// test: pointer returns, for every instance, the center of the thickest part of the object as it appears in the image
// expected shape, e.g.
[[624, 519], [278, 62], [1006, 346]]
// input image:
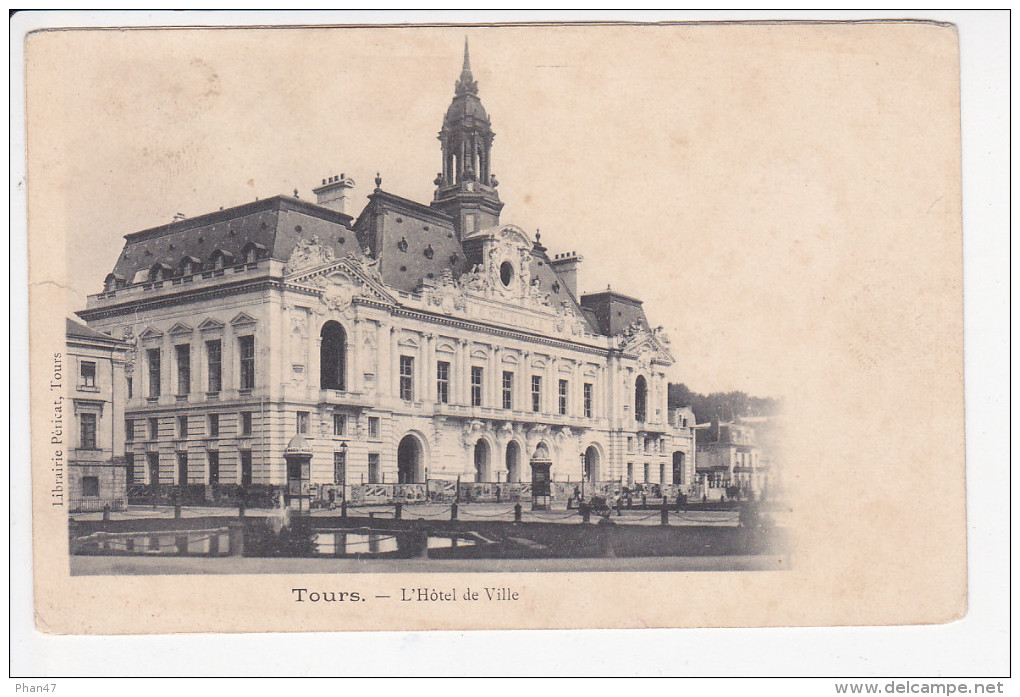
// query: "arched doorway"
[[333, 357], [410, 463], [483, 470], [513, 461], [592, 465], [640, 398], [678, 467]]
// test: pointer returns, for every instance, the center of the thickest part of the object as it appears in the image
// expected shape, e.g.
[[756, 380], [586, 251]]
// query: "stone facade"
[[414, 343], [97, 469]]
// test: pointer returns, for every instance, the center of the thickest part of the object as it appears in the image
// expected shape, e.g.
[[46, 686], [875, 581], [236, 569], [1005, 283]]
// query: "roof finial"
[[378, 181], [466, 84]]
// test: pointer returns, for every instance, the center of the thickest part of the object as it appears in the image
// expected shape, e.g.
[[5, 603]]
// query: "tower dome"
[[466, 188]]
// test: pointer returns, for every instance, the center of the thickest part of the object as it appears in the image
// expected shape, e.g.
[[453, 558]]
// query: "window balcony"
[[343, 398]]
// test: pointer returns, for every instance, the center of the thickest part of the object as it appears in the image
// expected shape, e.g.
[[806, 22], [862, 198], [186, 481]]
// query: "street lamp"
[[343, 470], [584, 475]]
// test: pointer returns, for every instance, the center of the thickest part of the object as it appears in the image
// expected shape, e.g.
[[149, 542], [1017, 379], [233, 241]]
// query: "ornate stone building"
[[414, 342]]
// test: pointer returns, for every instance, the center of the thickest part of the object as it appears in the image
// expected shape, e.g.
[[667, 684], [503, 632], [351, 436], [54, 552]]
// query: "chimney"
[[333, 193], [565, 265]]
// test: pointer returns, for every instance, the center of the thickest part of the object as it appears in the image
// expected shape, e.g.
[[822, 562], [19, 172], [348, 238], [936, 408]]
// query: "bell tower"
[[466, 188]]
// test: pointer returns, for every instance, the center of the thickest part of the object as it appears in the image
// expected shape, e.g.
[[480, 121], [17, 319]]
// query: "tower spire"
[[466, 84], [466, 188]]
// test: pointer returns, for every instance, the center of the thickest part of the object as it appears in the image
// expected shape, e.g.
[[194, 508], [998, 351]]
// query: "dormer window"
[[219, 259], [252, 252], [189, 265], [158, 272], [113, 282]]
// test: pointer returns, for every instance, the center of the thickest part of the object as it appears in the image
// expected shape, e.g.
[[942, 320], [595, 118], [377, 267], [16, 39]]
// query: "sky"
[[713, 172]]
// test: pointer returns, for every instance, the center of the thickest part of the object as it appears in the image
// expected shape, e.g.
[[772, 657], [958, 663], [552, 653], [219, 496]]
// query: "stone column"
[[523, 385], [354, 359], [394, 359], [496, 381], [429, 388]]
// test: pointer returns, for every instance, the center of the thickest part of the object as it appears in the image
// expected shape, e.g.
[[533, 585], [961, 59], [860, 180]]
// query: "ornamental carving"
[[338, 294], [308, 253]]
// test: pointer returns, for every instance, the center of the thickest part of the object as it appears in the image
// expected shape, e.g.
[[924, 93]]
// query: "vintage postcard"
[[458, 327]]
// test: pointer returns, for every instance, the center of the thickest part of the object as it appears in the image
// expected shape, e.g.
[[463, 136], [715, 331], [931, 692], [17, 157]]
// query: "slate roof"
[[275, 225], [78, 330], [414, 243], [614, 311]]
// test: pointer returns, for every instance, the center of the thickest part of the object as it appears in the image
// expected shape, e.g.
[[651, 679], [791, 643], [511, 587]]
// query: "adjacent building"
[[93, 428], [412, 343], [730, 460]]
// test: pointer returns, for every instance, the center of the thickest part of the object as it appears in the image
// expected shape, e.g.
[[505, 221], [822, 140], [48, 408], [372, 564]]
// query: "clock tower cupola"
[[466, 188]]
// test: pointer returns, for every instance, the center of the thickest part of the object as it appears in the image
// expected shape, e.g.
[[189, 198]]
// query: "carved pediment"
[[150, 334], [242, 318], [180, 329], [341, 281], [210, 325], [646, 347]]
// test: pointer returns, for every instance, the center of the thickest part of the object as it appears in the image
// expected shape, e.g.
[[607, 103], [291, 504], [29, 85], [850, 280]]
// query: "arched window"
[[333, 357], [640, 398]]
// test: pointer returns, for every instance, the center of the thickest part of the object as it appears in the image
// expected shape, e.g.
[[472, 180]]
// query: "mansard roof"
[[271, 226], [414, 242]]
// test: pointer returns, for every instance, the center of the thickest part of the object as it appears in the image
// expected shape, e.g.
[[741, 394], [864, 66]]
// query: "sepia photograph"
[[352, 374], [495, 326]]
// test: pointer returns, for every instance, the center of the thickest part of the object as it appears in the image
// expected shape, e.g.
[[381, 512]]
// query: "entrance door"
[[678, 467]]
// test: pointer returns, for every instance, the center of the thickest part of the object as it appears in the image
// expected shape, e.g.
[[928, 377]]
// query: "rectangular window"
[[443, 382], [88, 431], [154, 429], [214, 359], [245, 423], [407, 378], [183, 352], [182, 468], [90, 486], [246, 351], [153, 461], [88, 374], [214, 466], [214, 425], [302, 422], [129, 430], [630, 474], [662, 473], [588, 391], [476, 385], [508, 390], [129, 462], [630, 444], [182, 426], [130, 385], [245, 468], [536, 393], [647, 467], [339, 424], [154, 360], [339, 468], [373, 427], [374, 474], [564, 390]]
